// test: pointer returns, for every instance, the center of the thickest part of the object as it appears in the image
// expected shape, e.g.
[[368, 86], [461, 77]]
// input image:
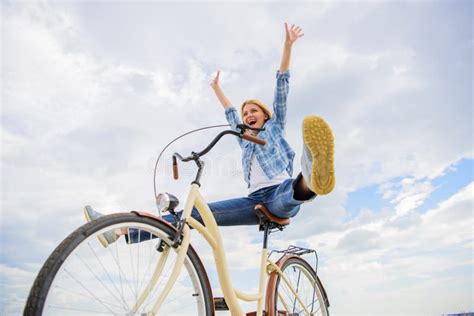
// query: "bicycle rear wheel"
[[81, 277], [300, 276]]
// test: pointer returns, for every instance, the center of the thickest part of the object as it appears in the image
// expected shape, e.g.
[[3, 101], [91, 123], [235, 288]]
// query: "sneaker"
[[106, 238], [317, 161]]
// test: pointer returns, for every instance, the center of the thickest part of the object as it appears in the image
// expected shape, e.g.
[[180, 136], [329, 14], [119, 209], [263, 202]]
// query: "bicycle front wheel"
[[297, 291], [82, 277]]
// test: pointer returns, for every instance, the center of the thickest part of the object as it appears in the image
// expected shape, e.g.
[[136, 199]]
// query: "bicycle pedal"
[[220, 304], [255, 313]]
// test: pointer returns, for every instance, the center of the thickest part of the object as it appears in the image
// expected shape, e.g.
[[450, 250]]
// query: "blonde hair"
[[259, 103]]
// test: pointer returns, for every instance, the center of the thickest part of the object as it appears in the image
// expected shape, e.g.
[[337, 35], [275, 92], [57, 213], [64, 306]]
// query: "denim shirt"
[[276, 155]]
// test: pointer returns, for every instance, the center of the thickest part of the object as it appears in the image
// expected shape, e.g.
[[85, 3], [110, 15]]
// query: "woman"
[[268, 169]]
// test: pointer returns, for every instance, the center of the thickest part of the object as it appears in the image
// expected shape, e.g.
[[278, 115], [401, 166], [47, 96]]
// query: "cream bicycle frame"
[[211, 234]]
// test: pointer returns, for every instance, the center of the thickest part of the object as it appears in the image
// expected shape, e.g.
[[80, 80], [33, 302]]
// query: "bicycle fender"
[[153, 216]]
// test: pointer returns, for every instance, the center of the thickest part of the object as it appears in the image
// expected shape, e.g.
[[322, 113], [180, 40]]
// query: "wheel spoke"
[[307, 298], [88, 291], [122, 300], [97, 278]]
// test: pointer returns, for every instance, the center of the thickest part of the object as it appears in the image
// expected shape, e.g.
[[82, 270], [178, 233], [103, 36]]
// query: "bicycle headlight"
[[162, 202], [166, 202]]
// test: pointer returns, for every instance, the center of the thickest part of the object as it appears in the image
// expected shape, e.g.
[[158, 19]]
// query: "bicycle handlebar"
[[195, 156], [253, 139]]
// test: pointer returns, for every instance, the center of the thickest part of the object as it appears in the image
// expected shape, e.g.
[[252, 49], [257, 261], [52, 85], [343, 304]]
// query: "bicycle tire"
[[281, 300], [55, 284]]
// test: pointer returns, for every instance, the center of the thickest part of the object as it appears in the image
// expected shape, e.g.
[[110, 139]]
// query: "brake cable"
[[169, 144]]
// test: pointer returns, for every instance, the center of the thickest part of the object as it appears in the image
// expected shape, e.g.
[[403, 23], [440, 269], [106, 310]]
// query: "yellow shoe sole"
[[318, 138]]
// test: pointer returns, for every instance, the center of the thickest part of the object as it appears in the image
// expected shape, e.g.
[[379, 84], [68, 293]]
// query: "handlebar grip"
[[175, 169], [254, 139]]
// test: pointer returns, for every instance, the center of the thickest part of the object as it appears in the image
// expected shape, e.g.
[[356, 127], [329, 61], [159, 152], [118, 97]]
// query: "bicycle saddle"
[[267, 218]]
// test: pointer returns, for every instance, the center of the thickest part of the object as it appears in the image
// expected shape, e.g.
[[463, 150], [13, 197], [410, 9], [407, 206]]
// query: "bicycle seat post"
[[266, 232], [268, 222]]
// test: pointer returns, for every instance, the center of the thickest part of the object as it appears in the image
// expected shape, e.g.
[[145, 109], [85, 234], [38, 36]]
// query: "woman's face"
[[253, 115]]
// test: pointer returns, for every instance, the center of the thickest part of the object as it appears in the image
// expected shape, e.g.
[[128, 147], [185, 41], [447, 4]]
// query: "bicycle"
[[147, 277]]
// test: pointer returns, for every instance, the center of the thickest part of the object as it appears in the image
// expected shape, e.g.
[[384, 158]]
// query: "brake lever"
[[244, 127]]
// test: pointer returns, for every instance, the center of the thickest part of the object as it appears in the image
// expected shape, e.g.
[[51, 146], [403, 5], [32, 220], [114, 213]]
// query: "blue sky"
[[92, 90], [455, 177]]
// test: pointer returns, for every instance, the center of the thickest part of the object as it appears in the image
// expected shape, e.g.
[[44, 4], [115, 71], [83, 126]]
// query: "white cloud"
[[411, 195], [15, 285]]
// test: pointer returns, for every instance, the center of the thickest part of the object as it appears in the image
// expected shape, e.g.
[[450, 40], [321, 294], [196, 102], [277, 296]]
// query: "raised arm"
[[219, 93], [282, 85], [292, 34], [230, 112]]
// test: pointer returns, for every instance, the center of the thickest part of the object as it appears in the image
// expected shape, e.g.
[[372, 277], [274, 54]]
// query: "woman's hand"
[[292, 34], [218, 91], [215, 81]]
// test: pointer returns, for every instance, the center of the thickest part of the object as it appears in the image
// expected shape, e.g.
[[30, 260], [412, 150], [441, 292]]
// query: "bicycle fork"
[[181, 255]]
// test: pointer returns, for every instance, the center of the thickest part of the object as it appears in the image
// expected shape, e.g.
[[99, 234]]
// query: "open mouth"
[[251, 122]]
